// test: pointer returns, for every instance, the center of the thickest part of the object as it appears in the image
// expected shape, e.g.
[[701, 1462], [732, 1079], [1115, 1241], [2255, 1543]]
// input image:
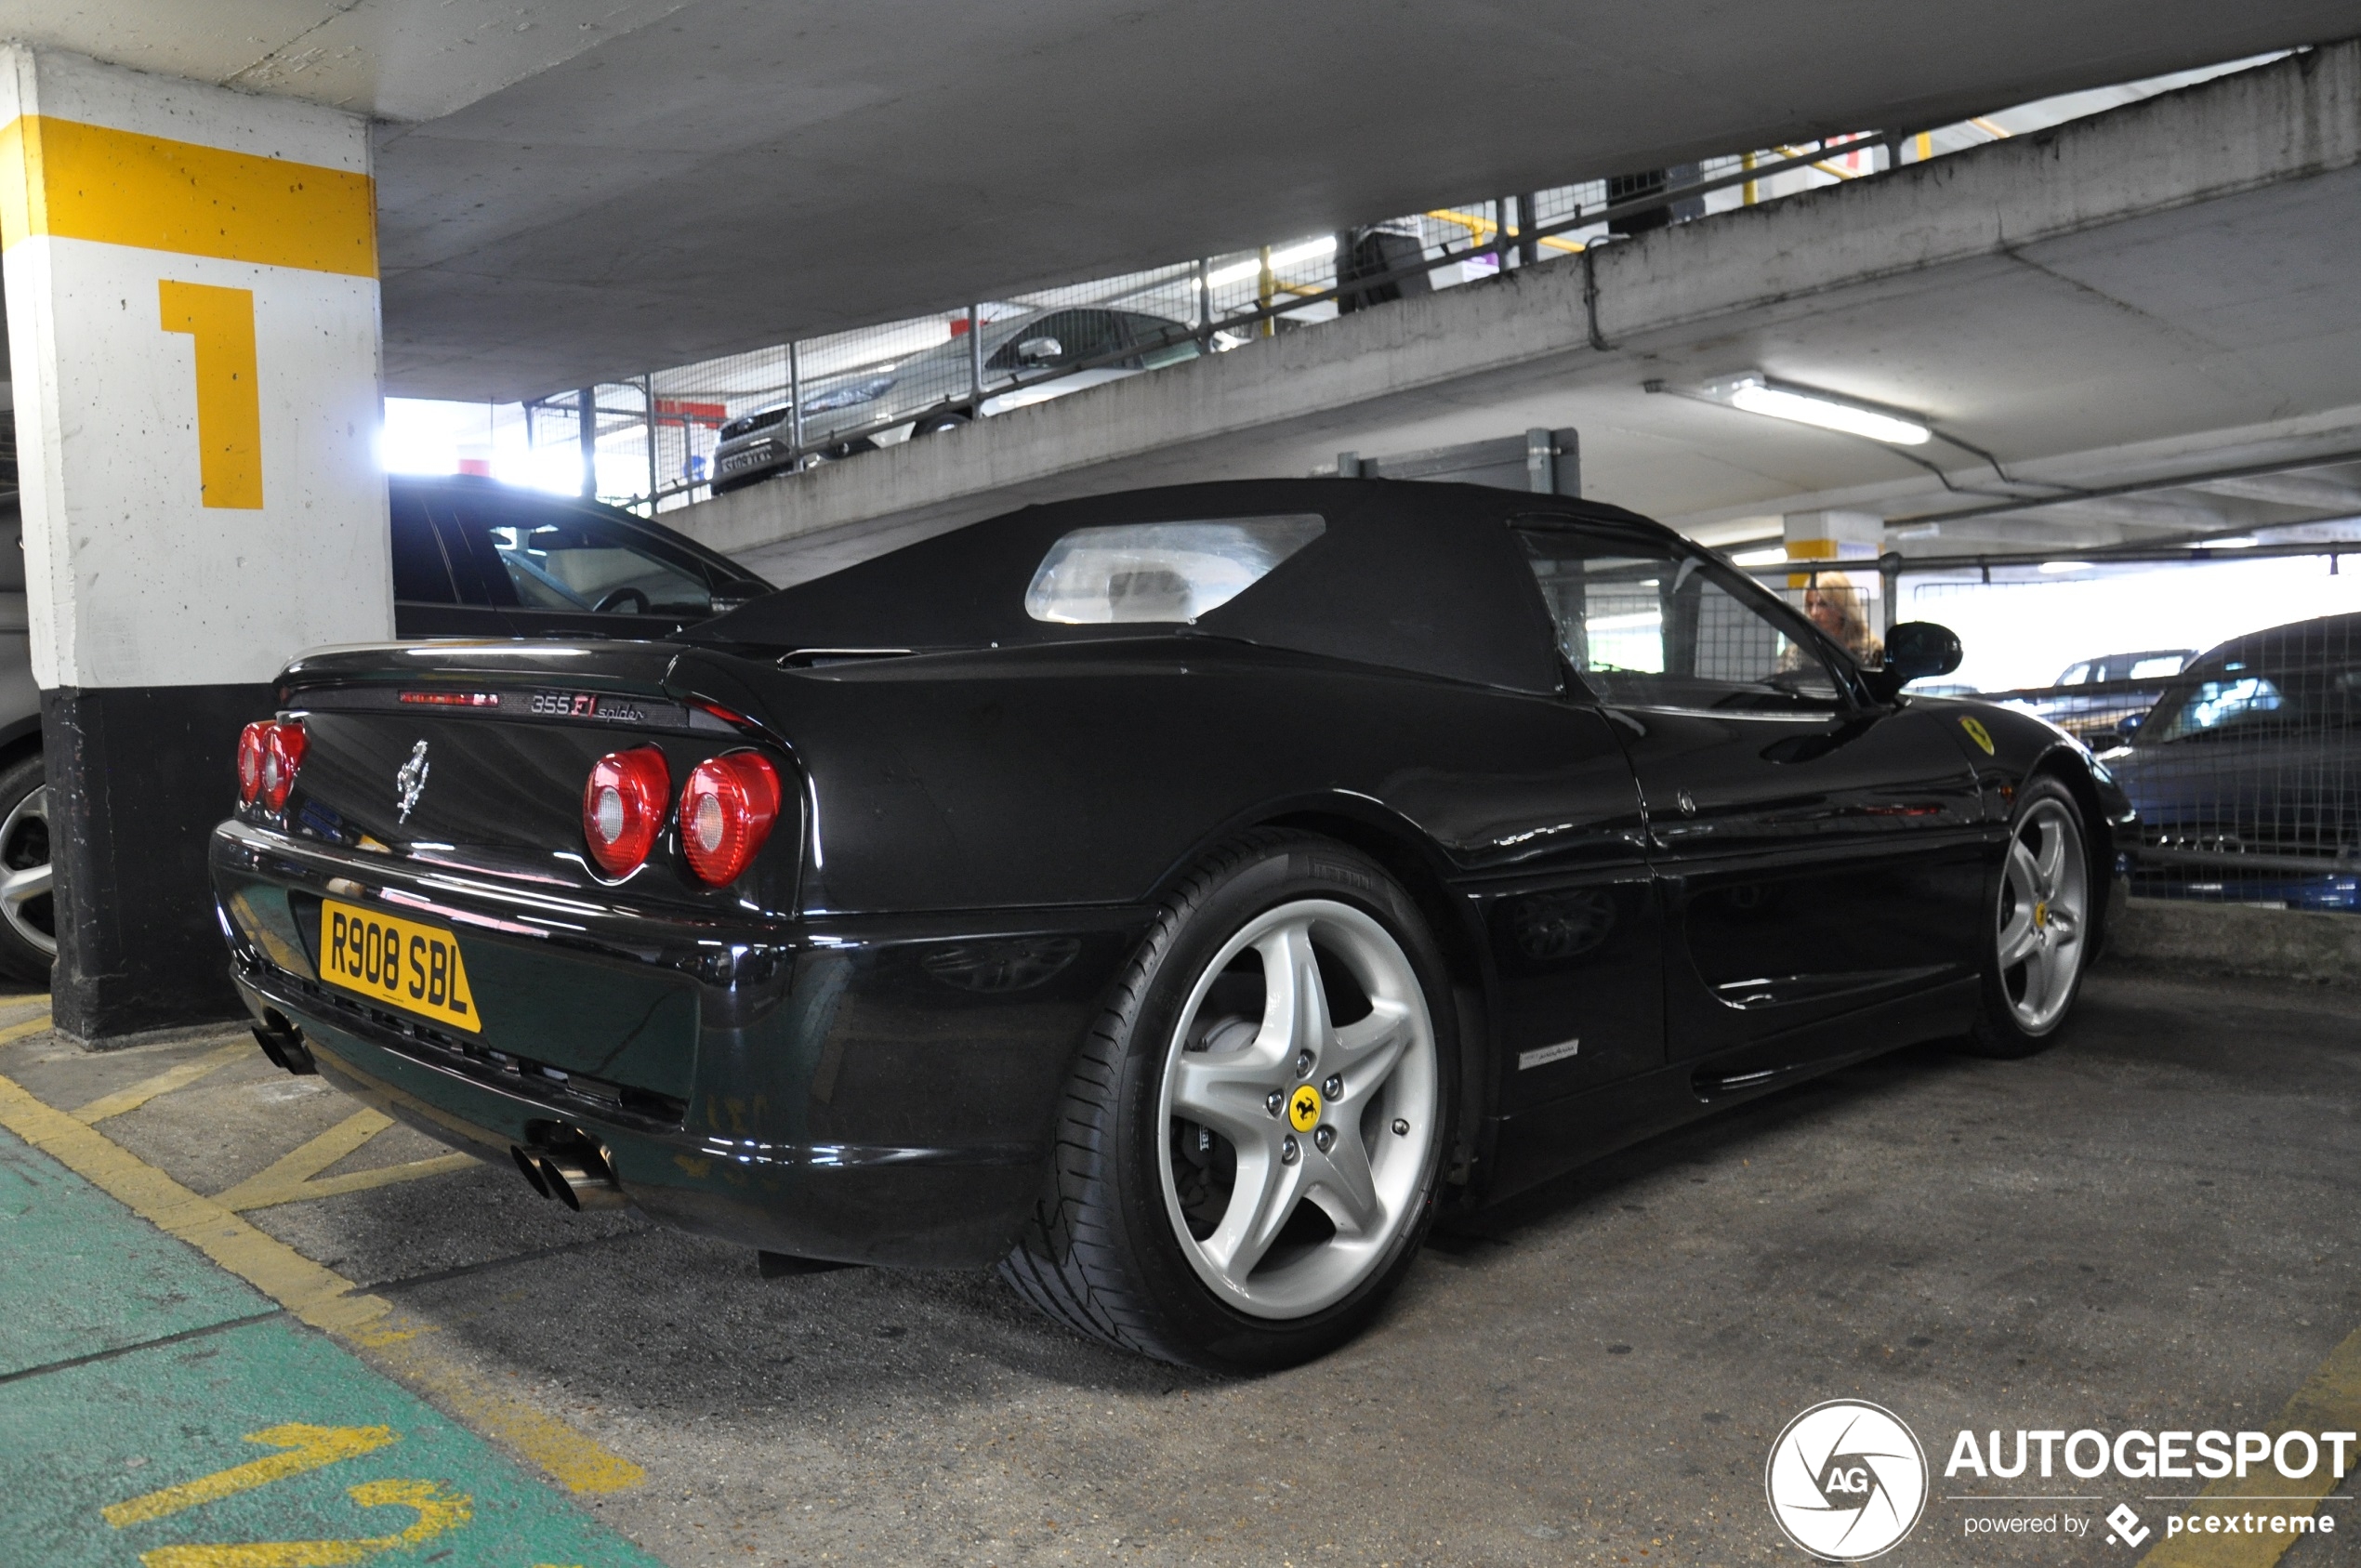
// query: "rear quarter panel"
[[1042, 778]]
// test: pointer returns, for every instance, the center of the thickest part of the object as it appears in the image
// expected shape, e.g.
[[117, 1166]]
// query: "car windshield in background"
[[590, 566], [1161, 572], [2235, 700]]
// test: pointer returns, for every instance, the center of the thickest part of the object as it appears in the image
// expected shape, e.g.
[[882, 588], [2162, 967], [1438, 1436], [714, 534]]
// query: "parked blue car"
[[2247, 774]]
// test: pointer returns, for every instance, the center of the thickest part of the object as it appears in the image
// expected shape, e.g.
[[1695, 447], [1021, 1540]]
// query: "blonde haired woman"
[[1835, 607]]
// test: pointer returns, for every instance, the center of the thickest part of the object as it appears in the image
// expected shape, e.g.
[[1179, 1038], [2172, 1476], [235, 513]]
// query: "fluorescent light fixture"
[[1239, 272], [1756, 394], [2243, 542], [2059, 568], [1761, 558]]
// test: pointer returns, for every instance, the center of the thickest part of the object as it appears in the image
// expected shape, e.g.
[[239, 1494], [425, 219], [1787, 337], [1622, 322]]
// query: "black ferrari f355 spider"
[[1178, 897]]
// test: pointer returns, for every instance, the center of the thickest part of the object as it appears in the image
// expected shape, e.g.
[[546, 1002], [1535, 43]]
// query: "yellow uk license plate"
[[404, 963]]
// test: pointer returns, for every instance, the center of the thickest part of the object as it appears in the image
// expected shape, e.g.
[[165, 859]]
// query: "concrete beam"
[[2021, 218]]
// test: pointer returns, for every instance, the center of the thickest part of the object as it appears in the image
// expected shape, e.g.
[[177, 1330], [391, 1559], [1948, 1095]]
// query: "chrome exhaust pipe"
[[579, 1175]]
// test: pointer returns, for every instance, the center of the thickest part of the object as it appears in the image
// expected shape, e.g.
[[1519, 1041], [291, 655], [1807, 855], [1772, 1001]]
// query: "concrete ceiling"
[[2161, 293], [578, 189]]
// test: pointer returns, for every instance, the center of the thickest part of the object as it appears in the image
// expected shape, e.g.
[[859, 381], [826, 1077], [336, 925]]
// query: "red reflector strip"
[[453, 698]]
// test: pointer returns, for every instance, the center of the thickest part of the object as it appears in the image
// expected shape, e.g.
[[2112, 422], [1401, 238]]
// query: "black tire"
[[935, 424], [2000, 1029], [1100, 1254], [24, 843]]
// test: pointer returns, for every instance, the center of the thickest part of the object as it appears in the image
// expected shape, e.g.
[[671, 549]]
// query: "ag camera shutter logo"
[[1847, 1481]]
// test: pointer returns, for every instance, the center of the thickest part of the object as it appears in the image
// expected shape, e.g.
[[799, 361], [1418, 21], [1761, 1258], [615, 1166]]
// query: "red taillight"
[[282, 756], [726, 811], [623, 807], [269, 754], [250, 743]]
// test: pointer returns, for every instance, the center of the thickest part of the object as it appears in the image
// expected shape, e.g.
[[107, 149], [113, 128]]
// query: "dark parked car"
[[1177, 895], [2099, 700], [475, 558], [471, 558], [2247, 774], [1027, 358]]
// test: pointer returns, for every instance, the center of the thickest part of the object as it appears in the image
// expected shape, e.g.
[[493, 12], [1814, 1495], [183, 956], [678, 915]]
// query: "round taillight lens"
[[250, 743], [726, 811], [282, 747], [623, 807]]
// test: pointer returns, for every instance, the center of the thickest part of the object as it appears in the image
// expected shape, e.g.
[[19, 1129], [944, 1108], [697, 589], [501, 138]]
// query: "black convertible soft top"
[[1417, 576]]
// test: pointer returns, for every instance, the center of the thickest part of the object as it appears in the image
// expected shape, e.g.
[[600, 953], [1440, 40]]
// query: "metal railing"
[[1202, 307], [673, 418]]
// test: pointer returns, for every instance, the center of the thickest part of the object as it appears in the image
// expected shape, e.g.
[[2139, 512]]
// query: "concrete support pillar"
[[193, 322], [1832, 535]]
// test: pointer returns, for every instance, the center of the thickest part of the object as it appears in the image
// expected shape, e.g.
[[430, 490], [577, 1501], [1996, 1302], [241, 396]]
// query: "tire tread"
[[1065, 1262]]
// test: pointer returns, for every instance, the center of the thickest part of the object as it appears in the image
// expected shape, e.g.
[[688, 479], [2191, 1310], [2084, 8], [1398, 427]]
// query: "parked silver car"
[[1029, 359]]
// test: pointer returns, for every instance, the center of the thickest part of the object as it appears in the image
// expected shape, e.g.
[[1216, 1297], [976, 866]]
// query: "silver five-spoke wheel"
[[2044, 915], [1300, 1093], [24, 873]]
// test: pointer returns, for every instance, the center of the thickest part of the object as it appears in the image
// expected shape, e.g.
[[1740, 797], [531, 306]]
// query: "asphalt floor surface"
[[2151, 1225]]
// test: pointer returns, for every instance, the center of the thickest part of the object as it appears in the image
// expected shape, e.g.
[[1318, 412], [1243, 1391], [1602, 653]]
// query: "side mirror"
[[1915, 649], [1036, 350]]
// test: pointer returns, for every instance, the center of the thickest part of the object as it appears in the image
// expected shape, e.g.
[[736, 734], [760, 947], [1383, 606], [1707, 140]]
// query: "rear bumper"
[[875, 1090]]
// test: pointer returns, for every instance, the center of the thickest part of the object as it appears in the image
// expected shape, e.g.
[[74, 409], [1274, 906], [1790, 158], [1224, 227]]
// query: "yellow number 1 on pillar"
[[229, 403]]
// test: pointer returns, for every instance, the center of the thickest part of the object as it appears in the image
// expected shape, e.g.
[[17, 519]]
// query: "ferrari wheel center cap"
[[1303, 1108], [2040, 914]]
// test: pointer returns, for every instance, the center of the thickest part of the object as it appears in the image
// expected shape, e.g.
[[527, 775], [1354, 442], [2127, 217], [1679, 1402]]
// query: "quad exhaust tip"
[[576, 1171]]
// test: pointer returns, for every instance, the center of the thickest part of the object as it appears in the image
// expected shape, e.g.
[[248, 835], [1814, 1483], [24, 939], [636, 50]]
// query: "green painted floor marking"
[[80, 1275], [173, 1422]]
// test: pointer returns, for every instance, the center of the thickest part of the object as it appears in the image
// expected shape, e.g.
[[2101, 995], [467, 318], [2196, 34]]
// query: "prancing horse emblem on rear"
[[412, 780]]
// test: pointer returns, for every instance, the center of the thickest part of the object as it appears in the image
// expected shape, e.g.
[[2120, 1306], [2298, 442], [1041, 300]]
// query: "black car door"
[[1568, 905], [1817, 853]]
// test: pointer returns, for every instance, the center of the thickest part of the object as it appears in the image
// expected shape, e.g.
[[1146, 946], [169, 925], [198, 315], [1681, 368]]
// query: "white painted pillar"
[[193, 336]]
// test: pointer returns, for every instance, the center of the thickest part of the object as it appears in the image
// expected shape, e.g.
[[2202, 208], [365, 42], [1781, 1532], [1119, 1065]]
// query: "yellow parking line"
[[291, 1170], [2329, 1401], [164, 1083], [295, 1176], [34, 1025], [362, 1180], [318, 1296]]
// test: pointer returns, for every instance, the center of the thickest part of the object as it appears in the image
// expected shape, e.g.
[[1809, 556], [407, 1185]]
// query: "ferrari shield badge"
[[1977, 733], [411, 782]]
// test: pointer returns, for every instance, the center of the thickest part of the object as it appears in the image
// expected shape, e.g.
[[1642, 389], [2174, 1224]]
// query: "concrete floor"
[[2152, 1225]]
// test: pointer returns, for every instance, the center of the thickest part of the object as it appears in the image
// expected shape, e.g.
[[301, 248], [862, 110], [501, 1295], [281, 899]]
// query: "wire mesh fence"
[[2221, 689], [685, 433], [662, 439]]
